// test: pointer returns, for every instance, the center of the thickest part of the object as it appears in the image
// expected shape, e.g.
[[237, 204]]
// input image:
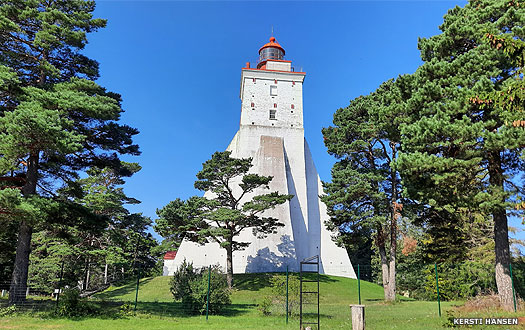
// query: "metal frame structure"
[[305, 264]]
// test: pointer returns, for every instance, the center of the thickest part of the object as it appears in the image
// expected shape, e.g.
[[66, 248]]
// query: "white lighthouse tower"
[[271, 132]]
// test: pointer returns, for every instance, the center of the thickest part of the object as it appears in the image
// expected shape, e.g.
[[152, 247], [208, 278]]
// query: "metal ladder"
[[305, 276]]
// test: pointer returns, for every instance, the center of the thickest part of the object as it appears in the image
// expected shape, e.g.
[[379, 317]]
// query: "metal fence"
[[278, 294]]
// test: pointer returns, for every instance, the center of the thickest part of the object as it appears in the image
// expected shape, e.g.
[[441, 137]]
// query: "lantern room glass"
[[270, 53]]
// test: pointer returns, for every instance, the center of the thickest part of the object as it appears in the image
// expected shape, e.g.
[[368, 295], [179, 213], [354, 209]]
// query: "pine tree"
[[54, 120], [462, 150], [365, 193], [226, 213]]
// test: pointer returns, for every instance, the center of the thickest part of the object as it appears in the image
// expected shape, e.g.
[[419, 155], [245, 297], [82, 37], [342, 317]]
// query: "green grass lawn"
[[157, 310]]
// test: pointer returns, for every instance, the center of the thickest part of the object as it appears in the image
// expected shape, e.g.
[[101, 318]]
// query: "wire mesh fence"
[[277, 294]]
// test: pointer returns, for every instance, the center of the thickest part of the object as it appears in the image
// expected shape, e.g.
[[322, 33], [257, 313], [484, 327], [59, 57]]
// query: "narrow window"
[[293, 83], [254, 80], [272, 114], [273, 90], [293, 107], [275, 105], [253, 105]]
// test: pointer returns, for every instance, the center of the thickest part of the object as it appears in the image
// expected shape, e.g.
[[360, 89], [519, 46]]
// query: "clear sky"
[[177, 66]]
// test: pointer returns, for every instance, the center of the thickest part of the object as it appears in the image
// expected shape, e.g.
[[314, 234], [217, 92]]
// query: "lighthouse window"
[[273, 90], [272, 115]]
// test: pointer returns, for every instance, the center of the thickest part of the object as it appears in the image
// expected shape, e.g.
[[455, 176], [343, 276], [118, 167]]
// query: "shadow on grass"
[[170, 309], [252, 281], [177, 309], [258, 281], [126, 289]]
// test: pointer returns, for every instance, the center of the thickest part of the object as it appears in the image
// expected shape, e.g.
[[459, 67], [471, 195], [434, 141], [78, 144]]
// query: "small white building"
[[271, 132]]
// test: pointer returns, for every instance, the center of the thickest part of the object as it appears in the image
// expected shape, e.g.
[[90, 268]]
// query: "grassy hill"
[[336, 295], [157, 310]]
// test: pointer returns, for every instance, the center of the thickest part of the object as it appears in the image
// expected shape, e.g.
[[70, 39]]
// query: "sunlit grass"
[[157, 310]]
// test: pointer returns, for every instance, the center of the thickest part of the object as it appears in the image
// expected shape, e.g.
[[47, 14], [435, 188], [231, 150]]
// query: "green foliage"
[[71, 305], [126, 310], [265, 305], [459, 281], [222, 217], [275, 301], [518, 272], [190, 286], [8, 311], [180, 285], [220, 294], [55, 121]]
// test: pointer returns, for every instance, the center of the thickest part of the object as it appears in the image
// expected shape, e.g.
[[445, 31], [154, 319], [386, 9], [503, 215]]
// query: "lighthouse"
[[271, 133]]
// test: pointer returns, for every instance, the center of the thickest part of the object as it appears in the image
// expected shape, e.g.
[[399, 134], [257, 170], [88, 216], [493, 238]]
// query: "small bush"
[[7, 311], [190, 286], [126, 310], [71, 305], [275, 301], [219, 291], [458, 281], [181, 280], [265, 305]]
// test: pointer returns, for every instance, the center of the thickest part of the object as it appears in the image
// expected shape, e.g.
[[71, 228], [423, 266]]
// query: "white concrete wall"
[[278, 65]]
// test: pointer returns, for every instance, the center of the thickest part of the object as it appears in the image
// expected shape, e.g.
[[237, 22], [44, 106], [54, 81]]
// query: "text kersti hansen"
[[486, 321]]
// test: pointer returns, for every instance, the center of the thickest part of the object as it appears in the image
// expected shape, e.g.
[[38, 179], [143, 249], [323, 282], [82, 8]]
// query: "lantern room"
[[270, 51]]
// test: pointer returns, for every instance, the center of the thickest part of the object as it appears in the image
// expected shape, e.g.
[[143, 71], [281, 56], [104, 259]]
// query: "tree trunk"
[[17, 290], [106, 274], [501, 235], [88, 268], [380, 241], [229, 264], [390, 295]]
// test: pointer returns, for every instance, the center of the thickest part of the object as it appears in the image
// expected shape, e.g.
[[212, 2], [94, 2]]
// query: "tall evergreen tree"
[[462, 150], [54, 120], [365, 194]]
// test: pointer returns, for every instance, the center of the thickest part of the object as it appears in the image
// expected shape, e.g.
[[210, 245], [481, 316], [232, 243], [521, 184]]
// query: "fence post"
[[437, 288], [359, 284], [59, 284], [208, 295], [512, 282], [286, 294], [137, 290]]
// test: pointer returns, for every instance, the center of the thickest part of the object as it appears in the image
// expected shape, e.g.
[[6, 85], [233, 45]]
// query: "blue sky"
[[177, 66]]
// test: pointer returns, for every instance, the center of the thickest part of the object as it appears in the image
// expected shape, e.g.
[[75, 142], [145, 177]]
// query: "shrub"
[[462, 280], [126, 310], [180, 282], [190, 286], [219, 291], [7, 311], [276, 300], [265, 305], [71, 305]]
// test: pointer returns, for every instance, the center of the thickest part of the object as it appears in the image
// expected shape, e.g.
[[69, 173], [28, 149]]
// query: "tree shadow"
[[177, 309], [268, 261], [118, 293], [165, 309], [252, 281]]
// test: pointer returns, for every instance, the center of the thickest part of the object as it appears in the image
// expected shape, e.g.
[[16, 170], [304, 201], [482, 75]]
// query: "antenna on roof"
[[272, 30]]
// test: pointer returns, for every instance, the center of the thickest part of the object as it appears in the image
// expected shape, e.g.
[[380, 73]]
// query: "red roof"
[[272, 43], [170, 255]]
